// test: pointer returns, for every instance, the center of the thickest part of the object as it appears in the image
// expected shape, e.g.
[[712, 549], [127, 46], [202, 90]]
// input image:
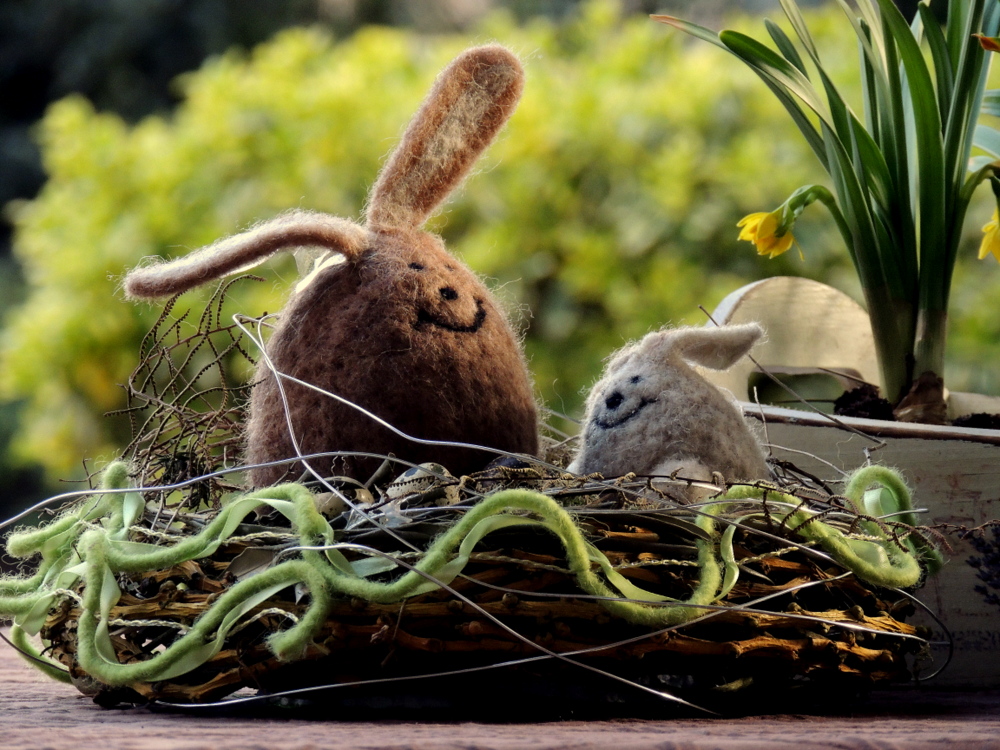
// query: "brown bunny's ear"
[[241, 252], [717, 348], [469, 103]]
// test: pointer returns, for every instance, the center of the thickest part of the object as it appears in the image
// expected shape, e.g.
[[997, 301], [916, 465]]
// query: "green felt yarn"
[[882, 562], [27, 650], [90, 542], [891, 480]]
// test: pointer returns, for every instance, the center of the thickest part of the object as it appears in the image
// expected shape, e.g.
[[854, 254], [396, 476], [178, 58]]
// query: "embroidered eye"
[[449, 293], [614, 400], [417, 266]]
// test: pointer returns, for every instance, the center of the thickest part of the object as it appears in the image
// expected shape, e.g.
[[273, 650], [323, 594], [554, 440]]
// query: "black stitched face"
[[441, 304], [618, 420], [625, 399], [424, 317], [444, 293]]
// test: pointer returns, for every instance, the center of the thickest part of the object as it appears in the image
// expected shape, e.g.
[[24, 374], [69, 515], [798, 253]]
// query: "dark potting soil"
[[982, 421], [866, 403]]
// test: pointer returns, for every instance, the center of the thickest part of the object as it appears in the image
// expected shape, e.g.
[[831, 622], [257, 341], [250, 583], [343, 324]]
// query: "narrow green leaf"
[[874, 115], [367, 567], [991, 103], [991, 20], [856, 209], [839, 112], [898, 132], [882, 247], [862, 29], [110, 594], [132, 508], [869, 160], [942, 60], [976, 163], [200, 655], [800, 118], [730, 566], [955, 29], [980, 168], [930, 156], [869, 16], [785, 45], [988, 139], [450, 570], [852, 218], [806, 127], [967, 94], [693, 29], [883, 117], [975, 108], [625, 587], [960, 131], [798, 115], [869, 13], [764, 59], [794, 16]]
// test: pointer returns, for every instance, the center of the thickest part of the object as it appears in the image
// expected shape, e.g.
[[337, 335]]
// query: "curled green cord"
[[89, 542], [881, 561]]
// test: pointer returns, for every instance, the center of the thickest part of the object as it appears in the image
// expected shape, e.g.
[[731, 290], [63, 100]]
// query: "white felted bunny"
[[652, 414], [387, 319]]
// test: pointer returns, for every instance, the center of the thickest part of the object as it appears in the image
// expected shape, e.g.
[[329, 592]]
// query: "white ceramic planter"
[[955, 472], [955, 475]]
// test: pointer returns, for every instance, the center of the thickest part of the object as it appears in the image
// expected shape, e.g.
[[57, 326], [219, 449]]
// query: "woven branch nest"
[[805, 622], [576, 582]]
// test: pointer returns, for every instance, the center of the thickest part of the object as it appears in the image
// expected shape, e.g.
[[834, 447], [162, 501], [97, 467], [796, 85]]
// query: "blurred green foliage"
[[121, 54], [606, 209]]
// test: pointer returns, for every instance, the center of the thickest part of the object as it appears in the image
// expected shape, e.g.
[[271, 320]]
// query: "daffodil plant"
[[900, 172]]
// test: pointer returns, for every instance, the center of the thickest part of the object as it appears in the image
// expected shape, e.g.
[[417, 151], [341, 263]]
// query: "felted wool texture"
[[244, 251], [409, 333], [401, 327], [470, 101], [652, 413]]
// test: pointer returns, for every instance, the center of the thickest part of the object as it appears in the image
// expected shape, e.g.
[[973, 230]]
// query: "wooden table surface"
[[39, 713]]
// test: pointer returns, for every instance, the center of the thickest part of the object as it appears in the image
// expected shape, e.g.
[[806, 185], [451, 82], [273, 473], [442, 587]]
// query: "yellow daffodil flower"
[[991, 237], [760, 229]]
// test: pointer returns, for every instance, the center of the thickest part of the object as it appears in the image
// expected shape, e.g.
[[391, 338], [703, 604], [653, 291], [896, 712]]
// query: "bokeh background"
[[134, 128]]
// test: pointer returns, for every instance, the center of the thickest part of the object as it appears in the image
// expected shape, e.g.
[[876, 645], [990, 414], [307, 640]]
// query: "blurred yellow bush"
[[607, 208]]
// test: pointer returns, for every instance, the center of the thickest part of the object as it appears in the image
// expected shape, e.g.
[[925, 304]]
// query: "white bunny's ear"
[[242, 252], [470, 101], [717, 348]]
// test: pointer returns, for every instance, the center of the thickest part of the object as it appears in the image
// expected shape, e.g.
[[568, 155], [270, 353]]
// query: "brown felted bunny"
[[387, 319], [652, 414]]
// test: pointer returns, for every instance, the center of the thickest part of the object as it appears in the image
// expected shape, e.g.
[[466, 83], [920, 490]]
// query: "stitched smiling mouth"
[[606, 424], [424, 317]]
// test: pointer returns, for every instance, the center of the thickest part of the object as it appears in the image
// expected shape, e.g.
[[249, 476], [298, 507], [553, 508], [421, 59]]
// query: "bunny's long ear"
[[242, 252], [716, 348], [470, 102]]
